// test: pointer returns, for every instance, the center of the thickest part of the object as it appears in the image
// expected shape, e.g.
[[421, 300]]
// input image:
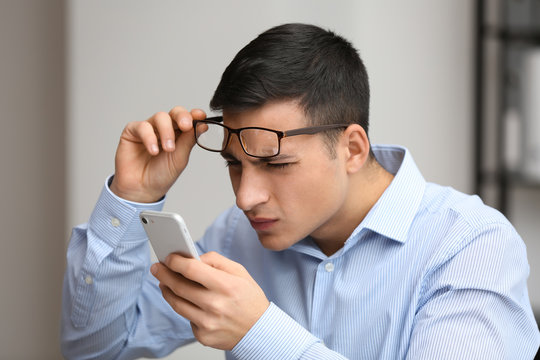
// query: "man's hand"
[[217, 295], [152, 154]]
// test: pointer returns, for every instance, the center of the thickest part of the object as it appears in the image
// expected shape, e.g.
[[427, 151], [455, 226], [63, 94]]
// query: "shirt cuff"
[[274, 336], [115, 218]]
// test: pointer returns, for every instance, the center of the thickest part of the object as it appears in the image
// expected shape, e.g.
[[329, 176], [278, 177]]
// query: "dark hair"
[[320, 69]]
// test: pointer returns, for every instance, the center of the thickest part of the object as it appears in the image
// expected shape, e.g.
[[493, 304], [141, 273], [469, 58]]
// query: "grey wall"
[[126, 60], [32, 206]]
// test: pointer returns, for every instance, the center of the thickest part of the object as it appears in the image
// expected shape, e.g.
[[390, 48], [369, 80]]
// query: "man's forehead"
[[281, 116]]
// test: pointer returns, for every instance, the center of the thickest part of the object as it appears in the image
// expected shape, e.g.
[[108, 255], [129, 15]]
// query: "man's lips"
[[261, 224]]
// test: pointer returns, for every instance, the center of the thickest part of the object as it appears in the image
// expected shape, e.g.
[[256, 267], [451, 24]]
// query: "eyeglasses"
[[258, 142]]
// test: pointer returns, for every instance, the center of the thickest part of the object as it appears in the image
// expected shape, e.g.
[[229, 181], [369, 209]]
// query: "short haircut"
[[317, 68]]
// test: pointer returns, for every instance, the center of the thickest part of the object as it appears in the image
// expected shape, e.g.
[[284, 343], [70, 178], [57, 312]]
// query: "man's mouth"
[[262, 224]]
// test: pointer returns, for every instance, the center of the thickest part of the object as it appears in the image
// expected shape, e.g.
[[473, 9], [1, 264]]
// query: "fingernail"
[[153, 269], [154, 149], [170, 144]]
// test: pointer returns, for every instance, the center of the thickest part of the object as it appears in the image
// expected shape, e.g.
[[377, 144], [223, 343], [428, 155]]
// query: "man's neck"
[[366, 187]]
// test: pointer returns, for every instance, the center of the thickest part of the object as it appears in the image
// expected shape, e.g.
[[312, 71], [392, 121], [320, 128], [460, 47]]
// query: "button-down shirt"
[[430, 273]]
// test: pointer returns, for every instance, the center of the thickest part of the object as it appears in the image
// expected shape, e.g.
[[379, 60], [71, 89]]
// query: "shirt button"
[[88, 280], [115, 222], [329, 267]]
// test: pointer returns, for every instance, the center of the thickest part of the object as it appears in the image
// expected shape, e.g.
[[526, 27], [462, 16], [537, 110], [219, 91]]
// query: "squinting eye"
[[279, 165], [229, 163]]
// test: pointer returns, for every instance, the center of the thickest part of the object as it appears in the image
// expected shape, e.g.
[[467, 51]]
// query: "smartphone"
[[168, 233]]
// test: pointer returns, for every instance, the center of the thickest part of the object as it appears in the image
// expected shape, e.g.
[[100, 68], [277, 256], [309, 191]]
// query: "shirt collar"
[[393, 213]]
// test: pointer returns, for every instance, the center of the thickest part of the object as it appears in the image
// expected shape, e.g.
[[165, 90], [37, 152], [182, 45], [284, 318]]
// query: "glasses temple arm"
[[313, 129]]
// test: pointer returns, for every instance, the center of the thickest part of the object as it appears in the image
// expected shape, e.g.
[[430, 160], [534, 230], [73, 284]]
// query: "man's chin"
[[275, 242]]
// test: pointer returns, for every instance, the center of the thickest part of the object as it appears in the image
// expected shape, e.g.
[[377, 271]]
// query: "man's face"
[[300, 192]]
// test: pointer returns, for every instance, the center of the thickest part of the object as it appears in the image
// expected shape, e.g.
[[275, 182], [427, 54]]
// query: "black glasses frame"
[[217, 120]]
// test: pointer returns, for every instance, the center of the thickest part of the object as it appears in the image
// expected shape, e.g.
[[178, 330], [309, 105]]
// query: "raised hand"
[[152, 154]]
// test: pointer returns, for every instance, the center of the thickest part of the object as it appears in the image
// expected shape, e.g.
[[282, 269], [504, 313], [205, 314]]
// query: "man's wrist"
[[116, 218], [138, 197]]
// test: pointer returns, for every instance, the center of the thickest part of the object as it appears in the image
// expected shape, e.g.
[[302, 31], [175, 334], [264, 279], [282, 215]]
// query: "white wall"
[[128, 62]]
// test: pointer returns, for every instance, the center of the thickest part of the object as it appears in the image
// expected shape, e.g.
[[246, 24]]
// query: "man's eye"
[[279, 165], [229, 163]]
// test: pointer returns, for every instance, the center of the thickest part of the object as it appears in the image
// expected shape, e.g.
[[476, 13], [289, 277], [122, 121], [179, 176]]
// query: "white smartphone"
[[168, 233]]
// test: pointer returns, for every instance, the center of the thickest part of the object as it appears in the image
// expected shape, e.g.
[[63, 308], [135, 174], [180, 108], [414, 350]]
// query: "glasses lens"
[[211, 136], [260, 143]]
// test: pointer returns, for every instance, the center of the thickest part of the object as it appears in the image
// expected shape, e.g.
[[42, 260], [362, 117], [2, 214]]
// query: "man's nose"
[[252, 190]]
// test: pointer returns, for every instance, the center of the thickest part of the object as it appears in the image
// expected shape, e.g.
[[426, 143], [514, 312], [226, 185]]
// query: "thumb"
[[179, 157], [185, 142]]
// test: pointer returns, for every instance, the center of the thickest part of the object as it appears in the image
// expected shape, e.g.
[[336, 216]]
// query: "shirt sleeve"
[[112, 306], [475, 303], [277, 336]]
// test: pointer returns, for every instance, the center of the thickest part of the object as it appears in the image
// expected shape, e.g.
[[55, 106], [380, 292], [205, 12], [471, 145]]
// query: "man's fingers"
[[198, 271], [164, 126], [178, 284], [198, 114], [172, 130], [144, 131], [220, 262], [179, 304], [222, 306], [182, 118], [214, 271]]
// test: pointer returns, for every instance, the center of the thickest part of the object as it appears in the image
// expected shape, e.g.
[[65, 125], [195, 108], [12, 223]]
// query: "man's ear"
[[356, 144]]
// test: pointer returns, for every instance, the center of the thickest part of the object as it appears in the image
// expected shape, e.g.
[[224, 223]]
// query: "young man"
[[335, 249]]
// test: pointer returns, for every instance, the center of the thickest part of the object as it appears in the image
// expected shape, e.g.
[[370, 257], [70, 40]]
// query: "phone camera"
[[144, 220]]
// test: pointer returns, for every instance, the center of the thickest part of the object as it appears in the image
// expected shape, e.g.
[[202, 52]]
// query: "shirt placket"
[[323, 306]]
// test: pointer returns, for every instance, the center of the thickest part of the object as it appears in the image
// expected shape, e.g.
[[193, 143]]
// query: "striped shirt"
[[430, 273]]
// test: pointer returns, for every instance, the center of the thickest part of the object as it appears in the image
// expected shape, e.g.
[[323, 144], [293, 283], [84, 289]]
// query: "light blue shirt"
[[430, 273]]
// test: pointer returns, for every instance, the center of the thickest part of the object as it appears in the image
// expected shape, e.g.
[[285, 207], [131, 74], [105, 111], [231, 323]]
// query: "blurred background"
[[454, 87]]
